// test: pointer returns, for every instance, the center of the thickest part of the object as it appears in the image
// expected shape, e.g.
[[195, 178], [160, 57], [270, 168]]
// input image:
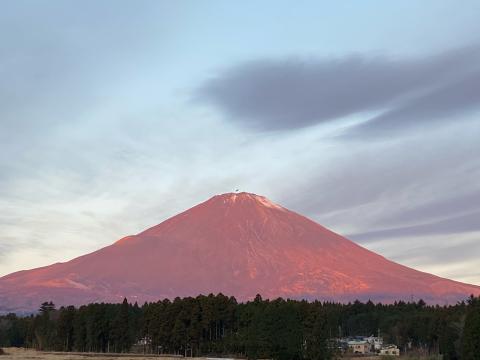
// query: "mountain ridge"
[[239, 244]]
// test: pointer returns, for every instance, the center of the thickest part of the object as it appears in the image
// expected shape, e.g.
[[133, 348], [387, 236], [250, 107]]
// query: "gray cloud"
[[460, 97], [456, 224], [5, 249], [289, 94], [454, 252], [399, 176], [438, 209], [12, 244]]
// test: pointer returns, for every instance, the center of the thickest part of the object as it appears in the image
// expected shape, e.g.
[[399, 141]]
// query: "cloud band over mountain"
[[285, 94]]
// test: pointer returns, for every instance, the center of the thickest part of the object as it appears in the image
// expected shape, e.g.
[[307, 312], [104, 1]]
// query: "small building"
[[376, 342], [359, 346], [390, 350], [142, 346], [144, 341]]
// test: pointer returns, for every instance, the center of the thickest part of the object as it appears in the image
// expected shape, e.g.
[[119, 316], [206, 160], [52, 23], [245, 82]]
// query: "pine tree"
[[45, 331]]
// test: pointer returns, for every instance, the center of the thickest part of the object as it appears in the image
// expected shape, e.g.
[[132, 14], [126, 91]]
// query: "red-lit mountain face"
[[237, 244]]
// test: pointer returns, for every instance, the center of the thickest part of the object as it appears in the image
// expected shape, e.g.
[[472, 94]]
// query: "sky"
[[363, 116]]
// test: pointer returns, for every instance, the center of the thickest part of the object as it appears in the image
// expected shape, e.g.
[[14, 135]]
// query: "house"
[[376, 342], [364, 345], [142, 346], [359, 346], [391, 350]]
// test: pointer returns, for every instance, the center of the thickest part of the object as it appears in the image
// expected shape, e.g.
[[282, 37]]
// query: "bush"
[[2, 352]]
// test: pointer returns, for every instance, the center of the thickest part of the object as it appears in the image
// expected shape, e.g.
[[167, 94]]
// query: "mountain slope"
[[237, 244]]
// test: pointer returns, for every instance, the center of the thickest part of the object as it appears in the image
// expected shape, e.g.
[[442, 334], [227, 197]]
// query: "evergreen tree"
[[316, 344], [80, 329], [121, 331], [471, 334], [45, 330], [65, 329], [217, 325]]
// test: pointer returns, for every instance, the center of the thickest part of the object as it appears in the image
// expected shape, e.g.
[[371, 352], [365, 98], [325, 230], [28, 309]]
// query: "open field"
[[19, 353], [29, 354]]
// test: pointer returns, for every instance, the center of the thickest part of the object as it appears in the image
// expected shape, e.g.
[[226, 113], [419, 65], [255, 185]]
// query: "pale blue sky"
[[115, 115]]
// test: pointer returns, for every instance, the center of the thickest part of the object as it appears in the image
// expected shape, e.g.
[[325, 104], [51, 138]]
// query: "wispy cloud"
[[294, 93], [438, 209], [445, 103], [452, 225]]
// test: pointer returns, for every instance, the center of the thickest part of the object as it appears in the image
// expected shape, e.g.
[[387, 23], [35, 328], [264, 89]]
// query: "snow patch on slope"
[[267, 203], [245, 196]]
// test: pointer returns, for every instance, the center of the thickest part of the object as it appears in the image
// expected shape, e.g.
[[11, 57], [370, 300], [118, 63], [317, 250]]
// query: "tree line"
[[218, 325]]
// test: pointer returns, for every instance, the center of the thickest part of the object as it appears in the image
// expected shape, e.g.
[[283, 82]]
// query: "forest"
[[217, 325]]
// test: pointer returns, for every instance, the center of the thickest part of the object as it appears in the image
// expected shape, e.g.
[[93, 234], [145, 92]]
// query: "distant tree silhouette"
[[44, 324], [122, 339], [471, 335], [217, 325]]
